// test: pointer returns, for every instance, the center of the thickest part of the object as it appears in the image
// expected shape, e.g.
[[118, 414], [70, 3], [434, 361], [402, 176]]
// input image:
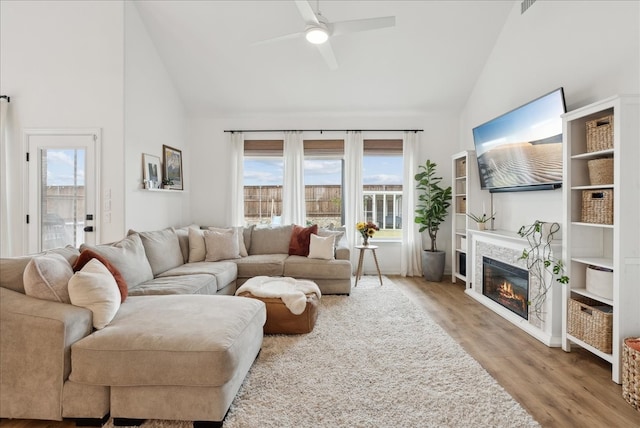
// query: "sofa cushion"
[[270, 240], [12, 268], [170, 340], [162, 249], [300, 239], [47, 276], [264, 264], [128, 257], [88, 255], [322, 247], [221, 245], [316, 269], [246, 234], [184, 284], [224, 271], [94, 287]]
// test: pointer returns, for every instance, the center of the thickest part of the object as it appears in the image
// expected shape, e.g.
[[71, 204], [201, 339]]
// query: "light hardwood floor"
[[559, 389]]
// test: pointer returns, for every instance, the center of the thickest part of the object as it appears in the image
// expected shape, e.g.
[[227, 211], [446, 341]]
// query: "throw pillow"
[[87, 255], [240, 233], [162, 249], [46, 277], [339, 234], [183, 237], [197, 249], [221, 245], [128, 257], [321, 247], [300, 239], [93, 287]]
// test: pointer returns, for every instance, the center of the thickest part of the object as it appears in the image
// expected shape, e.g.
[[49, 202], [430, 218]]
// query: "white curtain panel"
[[237, 178], [5, 230], [293, 199], [411, 256], [353, 209]]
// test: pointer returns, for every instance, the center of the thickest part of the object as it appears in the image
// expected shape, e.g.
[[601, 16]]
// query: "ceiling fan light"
[[317, 35]]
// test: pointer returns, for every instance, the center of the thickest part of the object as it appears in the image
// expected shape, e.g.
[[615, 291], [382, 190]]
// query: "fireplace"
[[506, 285]]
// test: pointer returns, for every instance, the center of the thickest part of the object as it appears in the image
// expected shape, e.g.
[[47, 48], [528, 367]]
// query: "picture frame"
[[151, 171], [172, 161]]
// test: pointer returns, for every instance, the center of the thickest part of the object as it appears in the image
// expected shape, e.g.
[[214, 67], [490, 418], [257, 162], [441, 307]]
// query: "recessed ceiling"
[[428, 62]]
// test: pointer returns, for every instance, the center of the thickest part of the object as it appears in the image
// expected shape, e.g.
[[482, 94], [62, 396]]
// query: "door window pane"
[[62, 197]]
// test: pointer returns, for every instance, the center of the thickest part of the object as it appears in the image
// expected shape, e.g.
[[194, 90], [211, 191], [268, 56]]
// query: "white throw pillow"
[[197, 249], [93, 287], [221, 245], [240, 233], [321, 247]]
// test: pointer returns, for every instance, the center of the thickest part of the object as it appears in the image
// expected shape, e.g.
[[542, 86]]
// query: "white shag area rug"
[[374, 359]]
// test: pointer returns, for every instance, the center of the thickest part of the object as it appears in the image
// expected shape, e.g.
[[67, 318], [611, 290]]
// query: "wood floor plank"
[[557, 388]]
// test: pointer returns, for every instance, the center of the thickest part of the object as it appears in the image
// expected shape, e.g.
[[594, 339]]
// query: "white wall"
[[591, 48], [61, 63], [211, 168], [154, 115]]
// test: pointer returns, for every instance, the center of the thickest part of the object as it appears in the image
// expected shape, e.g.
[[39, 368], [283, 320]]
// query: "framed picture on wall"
[[172, 159], [151, 171]]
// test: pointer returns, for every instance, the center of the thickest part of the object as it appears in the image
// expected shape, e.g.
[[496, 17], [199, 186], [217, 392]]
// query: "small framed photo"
[[151, 171], [172, 159]]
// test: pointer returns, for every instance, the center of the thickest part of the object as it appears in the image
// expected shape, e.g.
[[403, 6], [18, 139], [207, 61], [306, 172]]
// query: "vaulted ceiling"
[[429, 61]]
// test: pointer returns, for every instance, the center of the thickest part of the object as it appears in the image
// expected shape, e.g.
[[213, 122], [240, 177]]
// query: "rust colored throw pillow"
[[300, 239], [87, 255]]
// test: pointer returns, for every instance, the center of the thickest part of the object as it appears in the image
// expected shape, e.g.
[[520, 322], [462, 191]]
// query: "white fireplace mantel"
[[506, 246]]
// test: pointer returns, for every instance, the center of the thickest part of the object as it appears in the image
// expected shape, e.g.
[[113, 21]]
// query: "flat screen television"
[[522, 149]]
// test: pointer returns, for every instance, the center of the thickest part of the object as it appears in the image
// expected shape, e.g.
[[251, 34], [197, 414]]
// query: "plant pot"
[[433, 265], [481, 226]]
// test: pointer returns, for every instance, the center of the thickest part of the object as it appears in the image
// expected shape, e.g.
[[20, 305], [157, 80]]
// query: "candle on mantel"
[[484, 210]]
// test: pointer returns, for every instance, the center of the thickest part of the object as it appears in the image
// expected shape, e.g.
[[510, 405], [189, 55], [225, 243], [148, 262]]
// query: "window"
[[323, 178], [382, 186], [263, 179]]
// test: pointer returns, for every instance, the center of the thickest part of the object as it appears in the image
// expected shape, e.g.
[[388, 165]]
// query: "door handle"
[[88, 228]]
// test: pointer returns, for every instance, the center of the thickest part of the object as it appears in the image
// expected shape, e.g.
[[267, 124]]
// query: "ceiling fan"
[[319, 30]]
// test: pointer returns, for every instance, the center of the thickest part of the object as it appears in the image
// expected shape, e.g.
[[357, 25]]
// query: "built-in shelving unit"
[[613, 245], [464, 178]]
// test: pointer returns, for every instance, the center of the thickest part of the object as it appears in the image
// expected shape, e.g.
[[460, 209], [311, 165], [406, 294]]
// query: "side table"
[[363, 249]]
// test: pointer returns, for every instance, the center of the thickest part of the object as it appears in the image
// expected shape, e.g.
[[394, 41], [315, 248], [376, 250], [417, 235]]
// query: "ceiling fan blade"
[[307, 12], [327, 53], [345, 27], [278, 39]]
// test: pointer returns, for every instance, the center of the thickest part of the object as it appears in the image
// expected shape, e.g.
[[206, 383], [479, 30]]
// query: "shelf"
[[460, 250], [606, 226], [585, 293], [460, 195], [596, 351], [594, 155], [461, 232], [463, 177], [593, 187], [460, 276], [595, 261]]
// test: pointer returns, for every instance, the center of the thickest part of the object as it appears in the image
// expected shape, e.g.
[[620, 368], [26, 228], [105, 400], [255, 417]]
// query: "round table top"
[[366, 247]]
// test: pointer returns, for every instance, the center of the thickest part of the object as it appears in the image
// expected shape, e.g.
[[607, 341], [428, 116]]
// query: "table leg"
[[375, 259], [359, 269]]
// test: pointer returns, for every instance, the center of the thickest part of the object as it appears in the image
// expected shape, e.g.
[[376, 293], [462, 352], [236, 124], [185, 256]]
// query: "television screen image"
[[522, 149]]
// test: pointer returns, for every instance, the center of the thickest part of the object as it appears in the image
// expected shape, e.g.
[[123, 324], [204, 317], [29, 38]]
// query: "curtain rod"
[[323, 130], [7, 97]]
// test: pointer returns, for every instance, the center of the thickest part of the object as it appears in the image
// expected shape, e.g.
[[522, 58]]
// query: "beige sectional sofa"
[[179, 337]]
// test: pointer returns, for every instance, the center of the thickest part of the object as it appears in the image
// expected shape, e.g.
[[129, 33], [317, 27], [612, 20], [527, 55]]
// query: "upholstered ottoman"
[[292, 305], [176, 357]]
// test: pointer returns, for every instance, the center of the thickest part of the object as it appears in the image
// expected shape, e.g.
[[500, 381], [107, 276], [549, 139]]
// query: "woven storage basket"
[[597, 206], [462, 207], [600, 171], [588, 322], [461, 167], [631, 372], [600, 134]]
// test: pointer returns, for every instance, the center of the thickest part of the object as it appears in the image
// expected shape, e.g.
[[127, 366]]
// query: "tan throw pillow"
[[240, 233], [321, 247], [197, 249], [46, 277], [339, 234], [93, 287], [221, 245]]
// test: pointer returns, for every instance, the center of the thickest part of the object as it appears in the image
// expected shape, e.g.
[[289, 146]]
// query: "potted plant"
[[166, 183], [540, 260], [431, 210], [481, 220]]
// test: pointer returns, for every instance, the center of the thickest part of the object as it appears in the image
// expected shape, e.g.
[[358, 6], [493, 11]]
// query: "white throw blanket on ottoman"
[[293, 292]]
